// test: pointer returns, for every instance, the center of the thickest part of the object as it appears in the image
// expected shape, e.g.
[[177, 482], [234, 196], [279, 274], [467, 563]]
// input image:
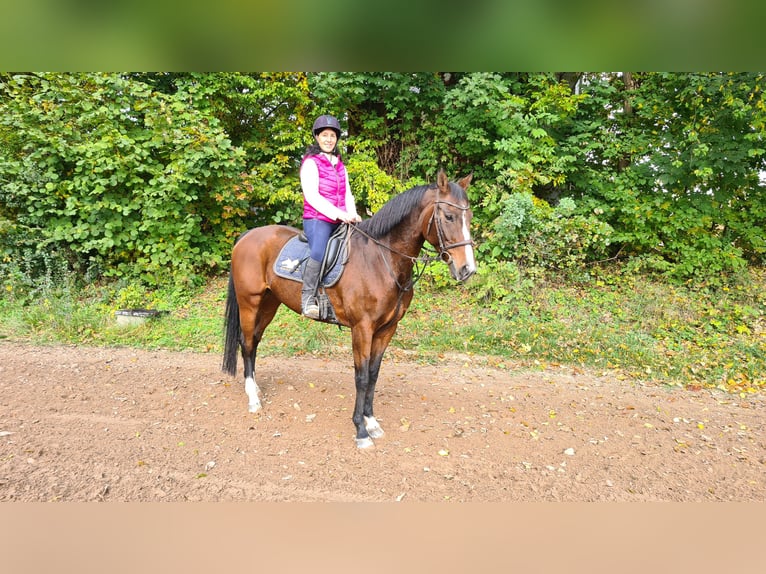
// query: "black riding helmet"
[[324, 122]]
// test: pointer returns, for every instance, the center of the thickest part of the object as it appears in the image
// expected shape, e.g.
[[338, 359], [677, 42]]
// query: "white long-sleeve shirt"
[[310, 184]]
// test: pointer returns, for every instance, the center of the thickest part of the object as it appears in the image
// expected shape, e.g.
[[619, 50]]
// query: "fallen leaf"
[[444, 452]]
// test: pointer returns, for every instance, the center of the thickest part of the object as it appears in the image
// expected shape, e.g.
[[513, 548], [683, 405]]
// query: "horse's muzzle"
[[463, 273]]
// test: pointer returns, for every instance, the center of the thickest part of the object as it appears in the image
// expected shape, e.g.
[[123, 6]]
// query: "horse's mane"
[[399, 207], [393, 212]]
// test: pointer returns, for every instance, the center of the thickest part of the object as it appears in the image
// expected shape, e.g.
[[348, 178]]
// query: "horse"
[[371, 296]]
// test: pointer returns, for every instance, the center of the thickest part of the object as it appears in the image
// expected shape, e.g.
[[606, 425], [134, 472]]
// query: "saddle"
[[292, 259], [337, 245]]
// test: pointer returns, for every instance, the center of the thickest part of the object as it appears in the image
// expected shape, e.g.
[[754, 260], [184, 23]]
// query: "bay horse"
[[371, 296]]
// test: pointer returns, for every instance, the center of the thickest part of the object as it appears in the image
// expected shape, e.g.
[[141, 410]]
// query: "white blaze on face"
[[469, 258]]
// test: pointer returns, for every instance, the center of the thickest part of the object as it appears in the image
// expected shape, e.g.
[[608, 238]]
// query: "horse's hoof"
[[376, 432], [373, 427], [254, 408], [364, 443]]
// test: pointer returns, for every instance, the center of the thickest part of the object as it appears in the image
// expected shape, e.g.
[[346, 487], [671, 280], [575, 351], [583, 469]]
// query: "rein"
[[419, 263]]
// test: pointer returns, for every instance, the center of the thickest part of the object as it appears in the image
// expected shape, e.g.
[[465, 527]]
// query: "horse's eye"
[[449, 217]]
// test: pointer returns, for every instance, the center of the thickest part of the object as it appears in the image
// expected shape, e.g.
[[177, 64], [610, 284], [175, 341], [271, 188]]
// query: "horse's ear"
[[465, 182], [441, 180]]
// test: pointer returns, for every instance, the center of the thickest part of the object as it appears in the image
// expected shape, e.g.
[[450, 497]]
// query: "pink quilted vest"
[[332, 186]]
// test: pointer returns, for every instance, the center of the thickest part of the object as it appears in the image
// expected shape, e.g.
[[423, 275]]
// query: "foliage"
[[504, 128], [500, 286], [134, 182], [268, 117], [385, 112], [674, 163], [538, 236], [372, 186], [153, 175]]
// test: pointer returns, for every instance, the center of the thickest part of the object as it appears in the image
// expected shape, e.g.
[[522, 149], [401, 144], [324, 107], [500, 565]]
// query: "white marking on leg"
[[253, 392], [364, 443], [373, 427], [470, 261]]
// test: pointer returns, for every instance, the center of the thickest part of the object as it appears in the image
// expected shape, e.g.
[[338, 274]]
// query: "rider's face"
[[327, 140]]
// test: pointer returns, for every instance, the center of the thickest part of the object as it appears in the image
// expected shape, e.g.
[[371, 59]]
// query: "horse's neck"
[[400, 247], [408, 236]]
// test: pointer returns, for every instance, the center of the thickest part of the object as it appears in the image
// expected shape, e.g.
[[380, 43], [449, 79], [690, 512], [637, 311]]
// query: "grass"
[[630, 327]]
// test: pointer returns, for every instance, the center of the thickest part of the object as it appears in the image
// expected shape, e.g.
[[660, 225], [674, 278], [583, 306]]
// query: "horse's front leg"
[[366, 370], [370, 422], [362, 377], [379, 345], [361, 338]]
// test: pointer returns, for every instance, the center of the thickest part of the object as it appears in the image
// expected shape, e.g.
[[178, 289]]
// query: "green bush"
[[136, 183], [540, 237]]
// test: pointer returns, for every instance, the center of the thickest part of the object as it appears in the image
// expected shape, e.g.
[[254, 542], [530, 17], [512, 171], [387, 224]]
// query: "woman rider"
[[327, 202]]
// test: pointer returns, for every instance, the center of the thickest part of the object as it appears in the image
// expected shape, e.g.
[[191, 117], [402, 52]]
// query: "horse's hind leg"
[[254, 317]]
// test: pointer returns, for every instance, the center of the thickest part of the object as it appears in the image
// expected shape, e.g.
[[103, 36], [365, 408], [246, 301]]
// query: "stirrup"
[[310, 310]]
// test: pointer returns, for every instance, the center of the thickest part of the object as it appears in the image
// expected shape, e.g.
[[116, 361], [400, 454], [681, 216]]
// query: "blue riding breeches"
[[318, 233]]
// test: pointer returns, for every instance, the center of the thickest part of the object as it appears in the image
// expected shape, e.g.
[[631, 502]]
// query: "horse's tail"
[[232, 331]]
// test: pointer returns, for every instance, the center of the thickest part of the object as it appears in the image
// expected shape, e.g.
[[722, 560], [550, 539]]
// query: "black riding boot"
[[309, 306]]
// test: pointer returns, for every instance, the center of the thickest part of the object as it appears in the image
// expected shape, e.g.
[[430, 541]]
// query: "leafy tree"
[[266, 115], [156, 173], [505, 129], [385, 112], [674, 163], [124, 179]]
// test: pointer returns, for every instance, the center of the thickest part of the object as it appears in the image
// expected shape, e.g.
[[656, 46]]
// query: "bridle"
[[443, 249]]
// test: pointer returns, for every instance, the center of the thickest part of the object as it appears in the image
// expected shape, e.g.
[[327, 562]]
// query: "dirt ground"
[[103, 424]]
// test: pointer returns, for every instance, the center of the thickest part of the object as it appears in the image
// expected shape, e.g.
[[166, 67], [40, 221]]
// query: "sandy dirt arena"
[[105, 424]]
